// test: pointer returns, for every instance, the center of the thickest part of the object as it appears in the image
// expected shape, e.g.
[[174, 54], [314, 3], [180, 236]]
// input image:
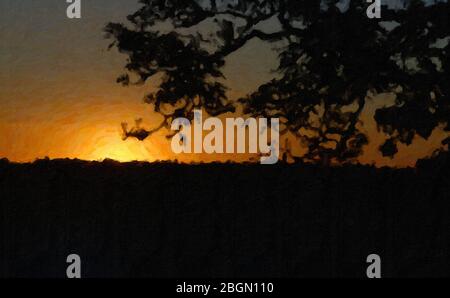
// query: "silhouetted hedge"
[[223, 220]]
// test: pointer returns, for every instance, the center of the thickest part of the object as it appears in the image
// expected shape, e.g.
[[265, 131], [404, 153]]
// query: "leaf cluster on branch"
[[334, 60]]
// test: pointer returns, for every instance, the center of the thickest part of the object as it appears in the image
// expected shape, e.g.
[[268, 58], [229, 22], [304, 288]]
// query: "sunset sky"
[[59, 98]]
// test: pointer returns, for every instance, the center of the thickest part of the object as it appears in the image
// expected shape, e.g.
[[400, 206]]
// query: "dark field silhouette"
[[223, 220]]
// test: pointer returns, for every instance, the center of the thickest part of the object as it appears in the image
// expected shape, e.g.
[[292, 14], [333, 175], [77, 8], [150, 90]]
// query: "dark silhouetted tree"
[[334, 59]]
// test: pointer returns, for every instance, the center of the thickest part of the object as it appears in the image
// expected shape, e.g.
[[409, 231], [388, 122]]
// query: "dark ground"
[[223, 220]]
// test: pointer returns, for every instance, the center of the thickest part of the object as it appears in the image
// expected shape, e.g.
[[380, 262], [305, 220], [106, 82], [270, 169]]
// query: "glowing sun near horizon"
[[113, 147]]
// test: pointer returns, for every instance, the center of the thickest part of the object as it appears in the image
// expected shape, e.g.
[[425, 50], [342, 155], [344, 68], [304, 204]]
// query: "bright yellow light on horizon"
[[113, 147]]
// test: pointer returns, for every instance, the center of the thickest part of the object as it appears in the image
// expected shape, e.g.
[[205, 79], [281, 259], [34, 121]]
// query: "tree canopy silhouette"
[[334, 58]]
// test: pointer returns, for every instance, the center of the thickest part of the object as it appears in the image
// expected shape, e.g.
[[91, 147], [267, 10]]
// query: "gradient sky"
[[58, 96]]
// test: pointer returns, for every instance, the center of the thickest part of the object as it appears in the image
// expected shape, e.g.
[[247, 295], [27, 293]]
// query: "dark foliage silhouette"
[[335, 58], [223, 220]]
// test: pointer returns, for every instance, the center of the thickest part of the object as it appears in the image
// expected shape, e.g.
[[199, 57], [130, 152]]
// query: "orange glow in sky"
[[59, 98]]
